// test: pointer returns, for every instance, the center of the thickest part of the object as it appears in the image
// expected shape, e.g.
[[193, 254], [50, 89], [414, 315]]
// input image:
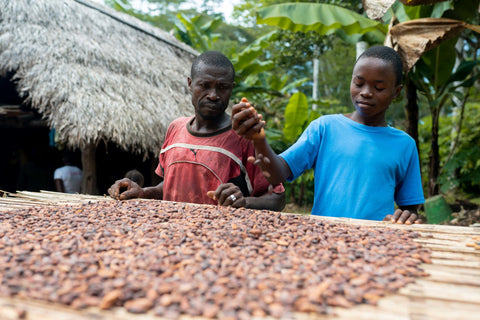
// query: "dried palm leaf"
[[415, 37]]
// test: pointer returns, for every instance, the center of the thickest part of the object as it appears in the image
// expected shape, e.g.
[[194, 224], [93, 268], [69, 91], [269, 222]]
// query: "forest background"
[[276, 62]]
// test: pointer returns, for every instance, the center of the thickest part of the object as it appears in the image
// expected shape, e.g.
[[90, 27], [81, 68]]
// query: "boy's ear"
[[189, 80], [398, 89]]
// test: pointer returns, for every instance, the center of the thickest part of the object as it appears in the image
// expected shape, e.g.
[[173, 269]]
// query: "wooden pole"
[[89, 181]]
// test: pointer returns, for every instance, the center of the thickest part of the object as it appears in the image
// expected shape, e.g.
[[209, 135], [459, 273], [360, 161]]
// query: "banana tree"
[[198, 32]]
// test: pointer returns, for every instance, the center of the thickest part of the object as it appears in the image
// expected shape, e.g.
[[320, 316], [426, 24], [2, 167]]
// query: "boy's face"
[[372, 89], [211, 90]]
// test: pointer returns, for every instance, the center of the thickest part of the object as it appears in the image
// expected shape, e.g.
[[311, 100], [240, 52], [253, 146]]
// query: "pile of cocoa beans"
[[173, 259]]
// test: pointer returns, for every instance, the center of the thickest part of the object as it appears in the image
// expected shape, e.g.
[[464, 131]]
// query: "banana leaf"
[[318, 17]]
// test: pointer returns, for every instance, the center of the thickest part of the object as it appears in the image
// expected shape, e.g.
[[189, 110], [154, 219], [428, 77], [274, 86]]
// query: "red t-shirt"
[[192, 164]]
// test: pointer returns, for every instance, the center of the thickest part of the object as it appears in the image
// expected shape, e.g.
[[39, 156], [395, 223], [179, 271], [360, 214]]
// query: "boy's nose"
[[367, 92]]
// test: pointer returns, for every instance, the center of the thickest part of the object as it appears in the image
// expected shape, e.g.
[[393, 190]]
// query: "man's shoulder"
[[179, 123]]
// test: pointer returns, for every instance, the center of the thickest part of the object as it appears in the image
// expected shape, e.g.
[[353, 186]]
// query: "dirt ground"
[[464, 213]]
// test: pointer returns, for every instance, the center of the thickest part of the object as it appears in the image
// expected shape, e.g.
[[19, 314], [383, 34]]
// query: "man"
[[202, 154], [68, 179]]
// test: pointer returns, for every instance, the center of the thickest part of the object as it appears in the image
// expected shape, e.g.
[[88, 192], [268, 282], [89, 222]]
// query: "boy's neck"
[[371, 121]]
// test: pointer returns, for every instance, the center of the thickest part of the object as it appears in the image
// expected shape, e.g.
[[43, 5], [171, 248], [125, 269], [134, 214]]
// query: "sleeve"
[[57, 174], [161, 157], [302, 155], [409, 190], [159, 170]]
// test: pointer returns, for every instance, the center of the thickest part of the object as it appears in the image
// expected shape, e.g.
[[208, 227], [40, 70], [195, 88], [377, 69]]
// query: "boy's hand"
[[246, 121], [403, 217], [260, 161]]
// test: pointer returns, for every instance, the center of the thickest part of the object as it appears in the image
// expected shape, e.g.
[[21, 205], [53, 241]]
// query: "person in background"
[[68, 179], [202, 159], [136, 176], [362, 166]]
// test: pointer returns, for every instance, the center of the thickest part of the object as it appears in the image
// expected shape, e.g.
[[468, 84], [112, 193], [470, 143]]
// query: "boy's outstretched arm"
[[247, 123], [405, 215]]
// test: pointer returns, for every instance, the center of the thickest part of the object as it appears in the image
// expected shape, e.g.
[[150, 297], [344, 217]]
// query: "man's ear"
[[189, 80]]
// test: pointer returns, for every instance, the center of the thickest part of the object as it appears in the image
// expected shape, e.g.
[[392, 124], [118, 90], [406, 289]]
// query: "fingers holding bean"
[[125, 189], [246, 121]]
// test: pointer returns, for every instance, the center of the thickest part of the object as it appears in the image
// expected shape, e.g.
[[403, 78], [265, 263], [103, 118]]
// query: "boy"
[[361, 165]]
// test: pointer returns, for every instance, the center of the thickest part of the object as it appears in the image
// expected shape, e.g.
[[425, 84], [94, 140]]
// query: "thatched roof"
[[94, 73]]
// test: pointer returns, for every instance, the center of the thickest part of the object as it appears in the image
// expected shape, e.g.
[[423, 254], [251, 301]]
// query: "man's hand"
[[404, 217], [228, 194], [247, 122], [125, 189]]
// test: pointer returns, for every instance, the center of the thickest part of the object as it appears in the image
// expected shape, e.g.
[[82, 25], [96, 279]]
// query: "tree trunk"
[[411, 111], [434, 156], [315, 82], [292, 193], [301, 194], [89, 181], [360, 47]]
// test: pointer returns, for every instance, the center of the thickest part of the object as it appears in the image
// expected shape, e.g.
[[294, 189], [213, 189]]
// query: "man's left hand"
[[228, 194]]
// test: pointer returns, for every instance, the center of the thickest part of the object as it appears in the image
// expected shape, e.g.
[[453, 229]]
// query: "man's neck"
[[205, 126]]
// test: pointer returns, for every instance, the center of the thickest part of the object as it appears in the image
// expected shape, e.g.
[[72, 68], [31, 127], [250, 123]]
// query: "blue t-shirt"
[[360, 171]]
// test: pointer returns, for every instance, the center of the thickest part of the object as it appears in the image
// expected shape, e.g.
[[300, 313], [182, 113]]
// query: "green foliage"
[[197, 32], [437, 78], [296, 114], [463, 169], [437, 64], [250, 61]]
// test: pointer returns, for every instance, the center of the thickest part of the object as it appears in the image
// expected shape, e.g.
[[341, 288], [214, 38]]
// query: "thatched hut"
[[94, 74]]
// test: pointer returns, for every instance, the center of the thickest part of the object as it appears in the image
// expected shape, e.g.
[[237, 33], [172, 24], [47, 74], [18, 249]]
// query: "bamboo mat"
[[25, 199], [451, 291]]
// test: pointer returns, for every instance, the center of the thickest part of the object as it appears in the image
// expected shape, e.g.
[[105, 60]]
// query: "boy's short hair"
[[389, 55], [212, 58]]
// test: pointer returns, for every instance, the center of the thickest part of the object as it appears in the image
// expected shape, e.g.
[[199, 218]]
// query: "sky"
[[226, 8]]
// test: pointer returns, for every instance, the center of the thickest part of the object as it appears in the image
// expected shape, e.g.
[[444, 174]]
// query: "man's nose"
[[212, 94]]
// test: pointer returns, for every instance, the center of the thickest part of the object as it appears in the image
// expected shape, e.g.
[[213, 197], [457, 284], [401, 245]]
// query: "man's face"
[[211, 90], [373, 87]]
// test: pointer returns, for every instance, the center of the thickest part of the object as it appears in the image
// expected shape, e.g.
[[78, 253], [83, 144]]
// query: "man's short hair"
[[212, 58], [136, 176], [388, 55]]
